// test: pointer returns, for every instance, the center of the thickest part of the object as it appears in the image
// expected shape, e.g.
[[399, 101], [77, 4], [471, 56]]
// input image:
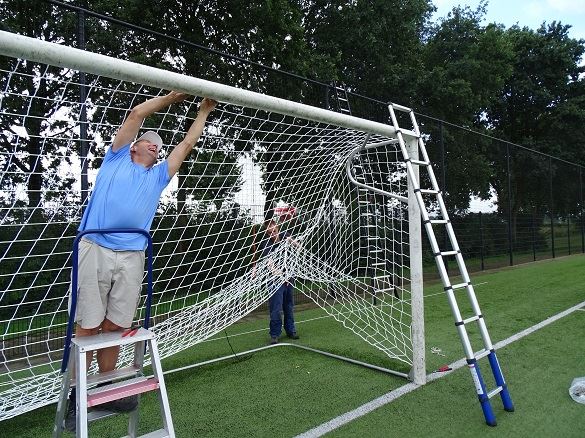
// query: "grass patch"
[[286, 391]]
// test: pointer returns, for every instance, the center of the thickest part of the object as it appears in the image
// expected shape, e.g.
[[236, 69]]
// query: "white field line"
[[366, 408]]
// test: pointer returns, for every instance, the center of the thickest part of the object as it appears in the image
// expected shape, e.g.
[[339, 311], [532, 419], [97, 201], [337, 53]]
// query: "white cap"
[[152, 137]]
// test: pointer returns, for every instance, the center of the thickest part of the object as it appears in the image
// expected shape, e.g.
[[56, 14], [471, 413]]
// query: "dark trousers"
[[282, 300]]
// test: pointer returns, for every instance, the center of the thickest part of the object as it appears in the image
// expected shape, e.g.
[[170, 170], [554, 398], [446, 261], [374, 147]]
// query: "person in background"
[[282, 299]]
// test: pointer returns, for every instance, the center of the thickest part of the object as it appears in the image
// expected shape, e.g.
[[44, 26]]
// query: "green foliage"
[[466, 64], [373, 46], [540, 106]]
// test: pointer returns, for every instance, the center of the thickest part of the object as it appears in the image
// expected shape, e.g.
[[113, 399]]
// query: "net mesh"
[[352, 260]]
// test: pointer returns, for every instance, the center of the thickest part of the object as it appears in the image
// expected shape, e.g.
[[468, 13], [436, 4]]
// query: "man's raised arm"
[[183, 149], [131, 125]]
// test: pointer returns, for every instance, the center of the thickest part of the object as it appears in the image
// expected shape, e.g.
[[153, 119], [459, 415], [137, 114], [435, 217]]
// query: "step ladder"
[[121, 383], [440, 256]]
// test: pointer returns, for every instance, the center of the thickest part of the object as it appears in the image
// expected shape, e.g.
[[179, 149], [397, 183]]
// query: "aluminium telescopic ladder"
[[119, 383], [450, 289]]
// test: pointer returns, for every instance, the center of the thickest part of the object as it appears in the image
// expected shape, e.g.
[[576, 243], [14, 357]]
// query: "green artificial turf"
[[285, 391]]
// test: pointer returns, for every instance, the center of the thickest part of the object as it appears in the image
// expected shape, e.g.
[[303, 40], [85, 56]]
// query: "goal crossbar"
[[19, 46]]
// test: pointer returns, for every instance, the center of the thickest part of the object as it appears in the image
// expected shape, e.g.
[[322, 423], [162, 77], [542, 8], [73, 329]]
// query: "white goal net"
[[354, 255]]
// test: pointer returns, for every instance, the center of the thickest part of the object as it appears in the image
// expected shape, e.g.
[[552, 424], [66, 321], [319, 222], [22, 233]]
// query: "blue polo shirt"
[[126, 195]]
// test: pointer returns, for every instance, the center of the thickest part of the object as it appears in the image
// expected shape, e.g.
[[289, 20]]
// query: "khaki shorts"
[[109, 284]]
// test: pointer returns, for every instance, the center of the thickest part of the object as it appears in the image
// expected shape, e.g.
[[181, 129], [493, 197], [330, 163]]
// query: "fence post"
[[84, 147], [481, 240], [569, 231], [534, 235], [510, 247], [581, 209], [550, 208]]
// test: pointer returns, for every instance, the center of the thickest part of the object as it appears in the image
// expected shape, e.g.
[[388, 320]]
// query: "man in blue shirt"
[[126, 195]]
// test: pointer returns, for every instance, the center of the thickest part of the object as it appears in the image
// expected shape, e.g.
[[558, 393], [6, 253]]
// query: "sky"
[[530, 13]]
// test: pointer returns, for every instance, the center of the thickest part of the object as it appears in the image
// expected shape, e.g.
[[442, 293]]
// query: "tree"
[[466, 65], [26, 139], [373, 46], [541, 107]]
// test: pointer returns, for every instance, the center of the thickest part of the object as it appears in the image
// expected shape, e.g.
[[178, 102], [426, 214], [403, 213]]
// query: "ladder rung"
[[110, 339], [108, 376], [389, 289], [429, 191], [379, 264], [420, 163], [468, 320], [439, 221], [458, 286], [495, 391], [120, 390], [400, 107], [447, 253]]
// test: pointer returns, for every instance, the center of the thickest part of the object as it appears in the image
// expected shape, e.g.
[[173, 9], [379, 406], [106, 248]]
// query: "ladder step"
[[420, 163], [468, 320], [120, 390], [495, 391], [111, 339], [379, 264], [389, 289], [439, 221], [401, 107], [108, 376], [458, 286], [429, 191], [447, 253]]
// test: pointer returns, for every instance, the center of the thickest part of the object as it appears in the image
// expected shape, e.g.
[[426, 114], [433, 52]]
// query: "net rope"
[[352, 258]]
